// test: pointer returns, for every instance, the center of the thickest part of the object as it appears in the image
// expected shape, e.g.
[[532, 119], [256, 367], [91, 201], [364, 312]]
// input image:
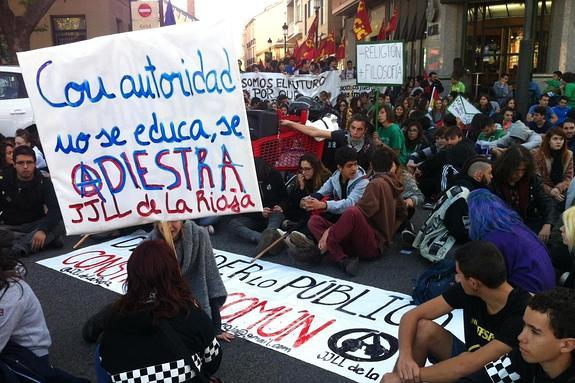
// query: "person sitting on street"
[[24, 336], [340, 192], [448, 223], [157, 324], [365, 230], [501, 89], [355, 137], [526, 258], [492, 317], [6, 155], [24, 137], [546, 344], [538, 123], [518, 134], [516, 183], [561, 110], [260, 228], [389, 133], [549, 114], [193, 249], [31, 219], [311, 176], [450, 161], [554, 164]]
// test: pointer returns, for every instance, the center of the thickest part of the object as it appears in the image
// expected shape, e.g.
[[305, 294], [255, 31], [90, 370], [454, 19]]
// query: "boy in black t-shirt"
[[546, 344], [492, 311]]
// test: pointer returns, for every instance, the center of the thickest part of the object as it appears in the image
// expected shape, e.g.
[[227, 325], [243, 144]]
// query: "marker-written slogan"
[[161, 135]]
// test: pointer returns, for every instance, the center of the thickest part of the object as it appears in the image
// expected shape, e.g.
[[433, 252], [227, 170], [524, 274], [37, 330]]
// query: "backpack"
[[434, 281], [433, 239]]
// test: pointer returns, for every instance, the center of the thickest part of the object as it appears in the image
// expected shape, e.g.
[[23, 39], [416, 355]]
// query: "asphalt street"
[[67, 303]]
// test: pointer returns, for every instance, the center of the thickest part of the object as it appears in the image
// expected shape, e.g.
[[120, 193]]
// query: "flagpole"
[[161, 9]]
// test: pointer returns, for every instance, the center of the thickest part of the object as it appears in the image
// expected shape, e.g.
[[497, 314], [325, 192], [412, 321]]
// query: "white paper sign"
[[463, 109], [143, 126], [341, 326], [380, 63], [268, 86]]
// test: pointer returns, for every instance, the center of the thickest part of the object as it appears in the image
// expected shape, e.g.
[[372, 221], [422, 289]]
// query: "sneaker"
[[310, 256], [408, 234], [265, 241], [301, 240], [281, 245], [350, 265], [429, 205], [563, 278]]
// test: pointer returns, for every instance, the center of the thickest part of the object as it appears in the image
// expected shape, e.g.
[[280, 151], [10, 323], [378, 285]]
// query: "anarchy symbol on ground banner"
[[363, 345]]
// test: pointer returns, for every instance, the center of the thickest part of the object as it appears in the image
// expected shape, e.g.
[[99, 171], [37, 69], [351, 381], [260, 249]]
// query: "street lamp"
[[317, 4], [285, 28]]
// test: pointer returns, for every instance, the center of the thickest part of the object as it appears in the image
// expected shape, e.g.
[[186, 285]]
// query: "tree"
[[17, 29]]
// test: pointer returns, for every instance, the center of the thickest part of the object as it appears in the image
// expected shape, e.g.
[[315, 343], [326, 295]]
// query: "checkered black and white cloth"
[[171, 372], [501, 371]]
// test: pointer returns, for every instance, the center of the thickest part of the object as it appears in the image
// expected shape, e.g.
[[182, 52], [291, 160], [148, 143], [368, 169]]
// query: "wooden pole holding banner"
[[81, 241], [261, 254]]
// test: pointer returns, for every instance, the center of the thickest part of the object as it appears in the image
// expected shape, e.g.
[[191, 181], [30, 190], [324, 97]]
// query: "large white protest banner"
[[380, 63], [143, 126], [462, 109], [341, 326], [268, 86]]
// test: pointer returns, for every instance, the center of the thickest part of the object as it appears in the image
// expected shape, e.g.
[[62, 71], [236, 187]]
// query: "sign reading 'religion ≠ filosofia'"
[[380, 63], [143, 126]]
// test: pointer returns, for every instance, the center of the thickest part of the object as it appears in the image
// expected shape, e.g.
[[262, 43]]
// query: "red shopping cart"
[[283, 150]]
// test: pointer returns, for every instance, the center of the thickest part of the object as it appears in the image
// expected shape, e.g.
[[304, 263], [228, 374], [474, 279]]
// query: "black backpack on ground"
[[434, 281]]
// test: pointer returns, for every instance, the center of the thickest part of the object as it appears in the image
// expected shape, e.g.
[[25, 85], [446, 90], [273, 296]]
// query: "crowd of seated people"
[[498, 194]]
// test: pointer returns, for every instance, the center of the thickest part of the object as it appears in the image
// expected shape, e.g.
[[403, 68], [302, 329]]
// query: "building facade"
[[481, 36], [69, 21]]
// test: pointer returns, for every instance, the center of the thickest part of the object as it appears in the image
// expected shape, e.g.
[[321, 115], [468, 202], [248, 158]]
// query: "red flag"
[[381, 35], [312, 29], [330, 44], [392, 25], [321, 49], [340, 55], [361, 25], [389, 27], [306, 50], [296, 52]]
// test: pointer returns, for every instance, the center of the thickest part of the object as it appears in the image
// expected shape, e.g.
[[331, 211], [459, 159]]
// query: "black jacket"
[[456, 156], [541, 208], [132, 341], [24, 202]]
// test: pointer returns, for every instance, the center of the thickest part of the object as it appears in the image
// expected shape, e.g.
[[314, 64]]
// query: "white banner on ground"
[[268, 86], [143, 126], [337, 325], [463, 109], [380, 63]]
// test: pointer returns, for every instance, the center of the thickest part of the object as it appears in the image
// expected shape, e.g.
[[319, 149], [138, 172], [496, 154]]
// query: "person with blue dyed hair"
[[526, 258]]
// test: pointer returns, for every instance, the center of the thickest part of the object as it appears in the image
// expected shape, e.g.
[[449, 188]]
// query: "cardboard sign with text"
[[380, 63], [143, 126]]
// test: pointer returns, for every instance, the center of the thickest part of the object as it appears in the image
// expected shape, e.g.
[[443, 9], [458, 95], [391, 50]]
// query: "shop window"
[[68, 29]]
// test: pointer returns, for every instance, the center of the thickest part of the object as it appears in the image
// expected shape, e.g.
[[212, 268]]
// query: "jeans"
[[350, 236], [250, 226], [19, 237]]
